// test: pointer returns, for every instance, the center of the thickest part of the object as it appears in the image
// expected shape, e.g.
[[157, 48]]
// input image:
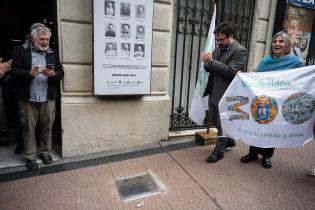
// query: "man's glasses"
[[220, 40]]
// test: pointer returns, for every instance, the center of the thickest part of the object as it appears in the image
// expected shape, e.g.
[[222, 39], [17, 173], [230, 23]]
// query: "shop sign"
[[303, 3]]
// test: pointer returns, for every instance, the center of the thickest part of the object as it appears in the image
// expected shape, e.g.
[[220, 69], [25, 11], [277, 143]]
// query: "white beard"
[[40, 47]]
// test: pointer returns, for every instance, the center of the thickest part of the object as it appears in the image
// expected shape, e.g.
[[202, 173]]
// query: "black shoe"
[[230, 143], [47, 159], [31, 165], [4, 143], [266, 163], [214, 157], [5, 133], [248, 158]]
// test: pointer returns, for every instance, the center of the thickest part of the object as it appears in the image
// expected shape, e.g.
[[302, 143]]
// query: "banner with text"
[[270, 109], [122, 31]]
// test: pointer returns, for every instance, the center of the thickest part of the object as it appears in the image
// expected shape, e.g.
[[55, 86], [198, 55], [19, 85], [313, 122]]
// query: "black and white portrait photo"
[[110, 30], [110, 8], [140, 32], [139, 51], [124, 9], [140, 12], [125, 30], [110, 49], [125, 50]]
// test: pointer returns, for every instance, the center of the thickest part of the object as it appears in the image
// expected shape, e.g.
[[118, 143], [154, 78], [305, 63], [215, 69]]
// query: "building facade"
[[90, 123], [93, 124]]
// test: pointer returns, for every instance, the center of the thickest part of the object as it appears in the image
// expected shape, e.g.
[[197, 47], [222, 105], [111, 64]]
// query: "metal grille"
[[191, 26]]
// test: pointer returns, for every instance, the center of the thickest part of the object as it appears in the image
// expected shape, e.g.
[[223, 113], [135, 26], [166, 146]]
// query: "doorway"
[[16, 17]]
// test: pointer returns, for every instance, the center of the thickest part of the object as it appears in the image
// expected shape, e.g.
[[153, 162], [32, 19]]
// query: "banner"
[[270, 109], [122, 31], [199, 103]]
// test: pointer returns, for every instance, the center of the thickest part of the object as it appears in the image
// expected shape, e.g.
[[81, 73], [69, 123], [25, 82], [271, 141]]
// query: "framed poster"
[[122, 42], [298, 23]]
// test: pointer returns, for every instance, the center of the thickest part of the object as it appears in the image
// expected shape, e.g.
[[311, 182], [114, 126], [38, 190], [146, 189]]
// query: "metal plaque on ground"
[[136, 187]]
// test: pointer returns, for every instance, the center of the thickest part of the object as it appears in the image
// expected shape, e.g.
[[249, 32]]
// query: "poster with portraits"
[[298, 23], [122, 42]]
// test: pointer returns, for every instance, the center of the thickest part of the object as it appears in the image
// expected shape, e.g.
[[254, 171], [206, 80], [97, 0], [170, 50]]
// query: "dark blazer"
[[223, 69], [22, 66]]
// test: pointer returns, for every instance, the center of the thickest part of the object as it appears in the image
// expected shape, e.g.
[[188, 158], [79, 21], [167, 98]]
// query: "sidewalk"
[[184, 179]]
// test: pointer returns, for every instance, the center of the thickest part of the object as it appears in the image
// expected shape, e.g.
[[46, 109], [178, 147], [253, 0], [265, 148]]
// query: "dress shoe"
[[248, 158], [230, 143], [5, 133], [31, 165], [214, 157], [4, 143], [47, 159], [266, 163]]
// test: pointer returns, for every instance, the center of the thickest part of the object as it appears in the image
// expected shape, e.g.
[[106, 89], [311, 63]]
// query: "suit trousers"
[[30, 114], [3, 121], [265, 152], [215, 119]]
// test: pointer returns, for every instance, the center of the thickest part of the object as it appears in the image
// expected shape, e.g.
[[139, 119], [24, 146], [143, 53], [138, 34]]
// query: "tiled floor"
[[185, 180]]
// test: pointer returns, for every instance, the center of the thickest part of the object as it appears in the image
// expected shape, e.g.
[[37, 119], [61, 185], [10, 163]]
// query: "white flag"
[[199, 103], [270, 109]]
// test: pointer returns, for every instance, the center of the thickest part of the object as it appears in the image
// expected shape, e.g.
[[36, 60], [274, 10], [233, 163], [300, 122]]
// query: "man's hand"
[[206, 57], [49, 72], [36, 70], [6, 66]]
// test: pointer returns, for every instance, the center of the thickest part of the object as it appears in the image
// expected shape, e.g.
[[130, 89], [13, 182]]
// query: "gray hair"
[[287, 42], [39, 28]]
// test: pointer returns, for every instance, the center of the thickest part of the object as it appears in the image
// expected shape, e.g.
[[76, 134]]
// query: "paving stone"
[[186, 181]]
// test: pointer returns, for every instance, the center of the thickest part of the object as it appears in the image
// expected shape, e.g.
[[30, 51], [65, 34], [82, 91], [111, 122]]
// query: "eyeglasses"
[[220, 40]]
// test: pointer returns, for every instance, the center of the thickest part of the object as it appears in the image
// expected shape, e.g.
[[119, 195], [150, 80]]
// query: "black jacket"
[[22, 66], [223, 69]]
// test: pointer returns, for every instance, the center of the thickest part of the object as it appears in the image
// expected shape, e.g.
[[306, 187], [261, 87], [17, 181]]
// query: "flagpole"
[[200, 103], [212, 5]]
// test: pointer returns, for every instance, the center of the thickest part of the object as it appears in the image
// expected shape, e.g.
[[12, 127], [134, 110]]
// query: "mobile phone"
[[50, 66]]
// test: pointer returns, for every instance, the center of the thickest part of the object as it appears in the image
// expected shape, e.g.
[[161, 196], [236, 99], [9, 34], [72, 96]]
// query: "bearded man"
[[37, 71]]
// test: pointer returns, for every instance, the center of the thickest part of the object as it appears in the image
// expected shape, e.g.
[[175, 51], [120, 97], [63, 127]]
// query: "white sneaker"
[[312, 172]]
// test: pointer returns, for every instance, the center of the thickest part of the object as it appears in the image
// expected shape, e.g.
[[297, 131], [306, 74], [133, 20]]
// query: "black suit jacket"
[[223, 69], [22, 66]]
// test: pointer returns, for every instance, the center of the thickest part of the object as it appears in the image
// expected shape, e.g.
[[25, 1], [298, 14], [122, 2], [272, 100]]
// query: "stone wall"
[[262, 29], [93, 124]]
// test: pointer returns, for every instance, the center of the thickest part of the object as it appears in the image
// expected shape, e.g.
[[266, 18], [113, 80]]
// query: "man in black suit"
[[4, 132], [227, 59]]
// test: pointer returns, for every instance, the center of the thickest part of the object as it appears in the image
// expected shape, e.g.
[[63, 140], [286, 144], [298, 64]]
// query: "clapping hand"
[[4, 67], [206, 57]]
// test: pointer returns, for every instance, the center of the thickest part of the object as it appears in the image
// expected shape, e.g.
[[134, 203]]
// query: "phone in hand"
[[50, 66]]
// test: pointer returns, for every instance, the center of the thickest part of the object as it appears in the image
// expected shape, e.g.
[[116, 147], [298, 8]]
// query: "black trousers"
[[215, 119], [265, 152]]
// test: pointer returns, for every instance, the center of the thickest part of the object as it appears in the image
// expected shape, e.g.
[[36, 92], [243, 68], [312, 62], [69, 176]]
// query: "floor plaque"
[[136, 187]]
